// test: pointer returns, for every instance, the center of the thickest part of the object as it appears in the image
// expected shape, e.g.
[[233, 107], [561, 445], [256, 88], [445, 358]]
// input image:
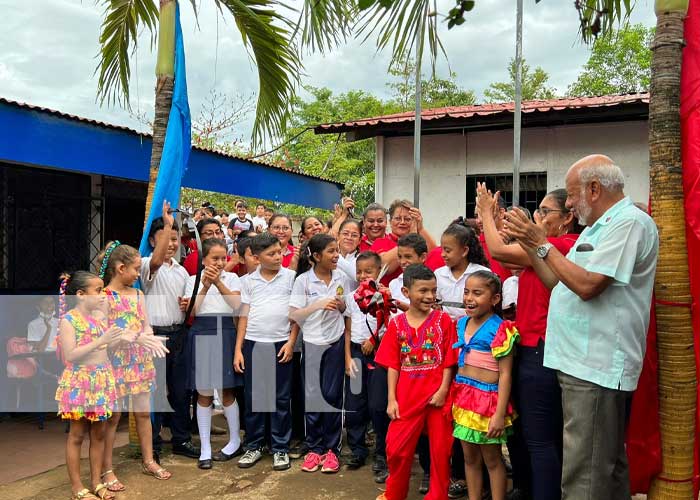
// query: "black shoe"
[[381, 476], [424, 484], [220, 456], [516, 494], [299, 451], [458, 489], [355, 462], [204, 464], [186, 449], [379, 463]]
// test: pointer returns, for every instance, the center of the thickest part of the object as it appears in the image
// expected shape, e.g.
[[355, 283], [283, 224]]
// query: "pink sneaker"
[[312, 462], [330, 463]]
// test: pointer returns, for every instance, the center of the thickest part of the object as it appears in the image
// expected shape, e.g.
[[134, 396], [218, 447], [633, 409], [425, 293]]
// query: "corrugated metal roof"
[[147, 135], [466, 112]]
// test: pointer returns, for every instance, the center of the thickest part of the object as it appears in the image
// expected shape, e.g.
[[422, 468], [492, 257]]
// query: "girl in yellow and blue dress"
[[132, 357], [483, 415], [86, 392]]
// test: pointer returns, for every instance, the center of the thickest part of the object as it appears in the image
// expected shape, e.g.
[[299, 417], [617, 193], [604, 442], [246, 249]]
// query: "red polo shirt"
[[365, 245], [533, 298], [287, 259], [495, 266], [382, 245], [434, 259]]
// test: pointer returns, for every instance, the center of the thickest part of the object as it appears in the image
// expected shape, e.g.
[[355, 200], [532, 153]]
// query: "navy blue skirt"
[[211, 345]]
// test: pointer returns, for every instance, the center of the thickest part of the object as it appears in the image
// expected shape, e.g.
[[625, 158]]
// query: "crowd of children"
[[275, 331]]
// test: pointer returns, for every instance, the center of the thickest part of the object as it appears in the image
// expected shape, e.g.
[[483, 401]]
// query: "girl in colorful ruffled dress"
[[483, 415], [86, 392], [132, 357]]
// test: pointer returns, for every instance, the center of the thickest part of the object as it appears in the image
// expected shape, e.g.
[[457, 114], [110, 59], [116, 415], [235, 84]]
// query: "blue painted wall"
[[44, 139]]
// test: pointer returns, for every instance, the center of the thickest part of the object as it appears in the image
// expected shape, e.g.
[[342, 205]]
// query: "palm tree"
[[677, 370], [269, 35]]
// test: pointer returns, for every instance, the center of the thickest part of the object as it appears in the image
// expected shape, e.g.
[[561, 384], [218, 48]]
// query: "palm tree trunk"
[[677, 375], [165, 78]]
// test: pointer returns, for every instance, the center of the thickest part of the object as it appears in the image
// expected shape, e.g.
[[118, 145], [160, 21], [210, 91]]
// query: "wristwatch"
[[543, 250]]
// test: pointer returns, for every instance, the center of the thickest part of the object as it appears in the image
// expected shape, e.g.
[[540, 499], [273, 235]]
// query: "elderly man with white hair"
[[597, 323]]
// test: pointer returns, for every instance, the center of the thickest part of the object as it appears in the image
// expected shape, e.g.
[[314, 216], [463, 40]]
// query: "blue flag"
[[176, 150]]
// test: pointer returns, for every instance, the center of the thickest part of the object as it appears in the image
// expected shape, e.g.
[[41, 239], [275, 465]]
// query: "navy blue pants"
[[377, 395], [267, 389], [538, 401], [179, 395], [324, 372], [356, 405]]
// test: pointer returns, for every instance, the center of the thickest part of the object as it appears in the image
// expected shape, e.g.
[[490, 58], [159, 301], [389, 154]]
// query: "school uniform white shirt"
[[395, 286], [36, 329], [348, 265], [214, 302], [360, 331], [320, 327], [268, 317], [162, 290], [259, 221], [451, 289]]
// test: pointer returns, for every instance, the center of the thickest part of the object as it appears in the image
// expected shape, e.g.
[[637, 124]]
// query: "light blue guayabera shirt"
[[603, 340]]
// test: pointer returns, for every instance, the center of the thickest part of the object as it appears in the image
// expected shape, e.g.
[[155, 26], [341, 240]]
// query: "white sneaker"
[[280, 461], [249, 458]]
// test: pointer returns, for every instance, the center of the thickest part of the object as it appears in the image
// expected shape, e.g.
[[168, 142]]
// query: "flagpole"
[[418, 110], [517, 125]]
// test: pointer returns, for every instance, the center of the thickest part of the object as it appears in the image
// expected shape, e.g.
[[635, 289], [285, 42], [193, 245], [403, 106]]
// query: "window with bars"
[[533, 187]]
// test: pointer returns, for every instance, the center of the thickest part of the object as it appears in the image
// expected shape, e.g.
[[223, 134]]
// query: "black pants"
[[324, 372], [356, 404], [179, 396], [538, 401], [457, 472], [377, 395], [297, 394], [267, 387]]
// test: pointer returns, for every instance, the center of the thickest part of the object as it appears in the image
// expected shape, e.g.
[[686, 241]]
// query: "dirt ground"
[[224, 481]]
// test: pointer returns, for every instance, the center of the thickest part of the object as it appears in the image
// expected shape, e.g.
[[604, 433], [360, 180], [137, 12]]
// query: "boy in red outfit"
[[417, 351]]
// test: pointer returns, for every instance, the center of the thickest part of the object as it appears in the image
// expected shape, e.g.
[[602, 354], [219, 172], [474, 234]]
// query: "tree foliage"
[[620, 62], [436, 92], [534, 85]]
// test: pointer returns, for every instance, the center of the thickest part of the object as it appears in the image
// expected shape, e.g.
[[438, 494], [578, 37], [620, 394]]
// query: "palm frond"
[[325, 23], [396, 24], [268, 35], [118, 34]]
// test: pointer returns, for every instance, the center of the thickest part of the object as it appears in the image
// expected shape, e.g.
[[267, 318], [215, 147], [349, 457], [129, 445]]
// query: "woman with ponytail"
[[86, 392]]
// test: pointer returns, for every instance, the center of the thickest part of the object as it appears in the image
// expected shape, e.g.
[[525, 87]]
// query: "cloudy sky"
[[48, 50]]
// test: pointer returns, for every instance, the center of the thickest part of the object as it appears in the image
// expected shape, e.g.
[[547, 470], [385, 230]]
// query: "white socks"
[[204, 423], [234, 428]]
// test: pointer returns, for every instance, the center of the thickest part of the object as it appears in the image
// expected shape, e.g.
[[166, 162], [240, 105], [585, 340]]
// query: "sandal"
[[84, 494], [160, 473], [105, 493], [115, 486]]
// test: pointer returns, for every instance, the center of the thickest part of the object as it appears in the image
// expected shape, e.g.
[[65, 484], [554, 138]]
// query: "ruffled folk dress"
[[474, 402], [134, 370], [86, 391]]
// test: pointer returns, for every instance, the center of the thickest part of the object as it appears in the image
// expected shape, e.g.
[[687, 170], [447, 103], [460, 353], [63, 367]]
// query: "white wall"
[[447, 160]]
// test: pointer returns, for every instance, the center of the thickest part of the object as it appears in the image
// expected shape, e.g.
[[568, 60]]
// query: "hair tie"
[[105, 259], [62, 296], [308, 251]]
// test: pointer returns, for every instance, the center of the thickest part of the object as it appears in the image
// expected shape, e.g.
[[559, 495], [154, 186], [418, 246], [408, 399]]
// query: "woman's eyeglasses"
[[543, 211], [346, 234], [407, 220], [280, 228]]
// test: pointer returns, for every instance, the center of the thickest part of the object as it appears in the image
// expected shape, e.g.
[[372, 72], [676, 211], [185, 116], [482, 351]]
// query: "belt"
[[166, 329]]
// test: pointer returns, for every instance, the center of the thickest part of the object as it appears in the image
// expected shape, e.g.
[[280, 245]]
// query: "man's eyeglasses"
[[280, 228], [209, 234], [546, 211]]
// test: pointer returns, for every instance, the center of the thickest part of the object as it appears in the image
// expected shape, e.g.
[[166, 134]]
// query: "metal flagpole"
[[517, 125], [419, 98]]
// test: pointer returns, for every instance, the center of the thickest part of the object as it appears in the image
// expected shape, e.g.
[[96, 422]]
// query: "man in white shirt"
[[163, 280], [42, 330]]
